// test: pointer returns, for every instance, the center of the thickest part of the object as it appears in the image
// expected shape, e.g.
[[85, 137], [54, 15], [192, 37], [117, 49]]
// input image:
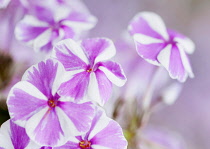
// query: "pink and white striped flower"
[[104, 133], [49, 24], [89, 74], [49, 119], [161, 46], [13, 136]]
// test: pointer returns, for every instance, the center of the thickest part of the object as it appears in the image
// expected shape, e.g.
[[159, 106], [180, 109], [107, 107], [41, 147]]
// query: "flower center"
[[85, 144], [6, 70], [52, 103], [56, 26], [90, 70], [171, 41]]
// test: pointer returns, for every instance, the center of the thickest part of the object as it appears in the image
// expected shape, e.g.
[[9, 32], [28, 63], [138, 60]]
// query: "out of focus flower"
[[161, 46], [14, 57], [35, 104], [104, 133], [156, 139], [50, 24], [171, 93], [89, 71], [13, 136], [4, 3]]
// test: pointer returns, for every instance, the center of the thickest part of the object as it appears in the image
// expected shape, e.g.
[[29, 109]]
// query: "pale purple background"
[[190, 114]]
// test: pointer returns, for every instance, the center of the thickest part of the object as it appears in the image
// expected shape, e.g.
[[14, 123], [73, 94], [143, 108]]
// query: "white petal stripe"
[[143, 39], [155, 22], [114, 79]]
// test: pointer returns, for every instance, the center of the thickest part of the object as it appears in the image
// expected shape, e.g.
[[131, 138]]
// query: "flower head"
[[35, 104], [89, 71], [161, 46], [50, 24], [104, 133]]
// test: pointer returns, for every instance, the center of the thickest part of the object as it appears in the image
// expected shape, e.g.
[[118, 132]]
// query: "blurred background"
[[189, 116]]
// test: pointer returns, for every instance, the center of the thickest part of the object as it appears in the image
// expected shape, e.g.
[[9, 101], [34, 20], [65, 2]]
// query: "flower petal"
[[104, 130], [69, 32], [171, 59], [80, 117], [185, 61], [114, 72], [18, 136], [14, 136], [69, 145], [148, 50], [80, 22], [42, 40], [76, 87], [5, 136], [24, 100], [70, 54], [150, 24], [44, 128], [100, 88], [45, 76], [98, 49], [43, 13], [85, 18], [29, 29]]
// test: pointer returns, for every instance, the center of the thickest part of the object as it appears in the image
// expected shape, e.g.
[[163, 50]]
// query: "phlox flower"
[[89, 74], [13, 136], [49, 24], [161, 46], [104, 133], [49, 119]]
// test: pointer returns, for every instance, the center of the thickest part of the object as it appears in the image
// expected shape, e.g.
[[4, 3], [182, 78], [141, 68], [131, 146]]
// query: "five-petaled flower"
[[51, 24], [162, 46], [49, 119], [89, 74], [104, 133]]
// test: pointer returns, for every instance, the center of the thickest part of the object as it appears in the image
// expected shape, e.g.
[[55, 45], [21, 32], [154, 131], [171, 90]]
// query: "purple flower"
[[50, 24], [49, 119], [161, 46], [89, 73], [14, 136], [104, 133]]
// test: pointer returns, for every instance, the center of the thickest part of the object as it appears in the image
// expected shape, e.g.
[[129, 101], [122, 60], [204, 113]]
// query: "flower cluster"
[[50, 116], [61, 99]]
